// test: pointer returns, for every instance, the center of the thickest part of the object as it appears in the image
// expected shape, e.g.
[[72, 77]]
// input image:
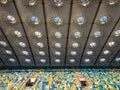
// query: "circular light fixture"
[[75, 45], [87, 60], [11, 19], [8, 52], [40, 44], [58, 53], [102, 59], [103, 19], [57, 60], [80, 20], [31, 2], [25, 53], [97, 34], [11, 59], [117, 59], [58, 35], [57, 2], [27, 60], [17, 33], [72, 60], [111, 43], [58, 20], [117, 33], [106, 52], [73, 53], [38, 34], [84, 2], [3, 43], [4, 1], [22, 44], [77, 34], [57, 45], [42, 53], [90, 52], [93, 44], [35, 20], [43, 60], [111, 2]]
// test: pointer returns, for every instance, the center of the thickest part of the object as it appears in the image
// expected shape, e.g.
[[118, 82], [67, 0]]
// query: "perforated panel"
[[8, 29], [8, 57], [30, 29], [52, 12]]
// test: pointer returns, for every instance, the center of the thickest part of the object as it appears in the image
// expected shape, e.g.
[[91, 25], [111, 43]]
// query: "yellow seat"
[[97, 88], [59, 88], [111, 88], [75, 82], [73, 88], [63, 82]]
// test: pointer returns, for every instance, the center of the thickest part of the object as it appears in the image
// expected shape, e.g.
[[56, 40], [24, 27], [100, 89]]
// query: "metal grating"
[[59, 33]]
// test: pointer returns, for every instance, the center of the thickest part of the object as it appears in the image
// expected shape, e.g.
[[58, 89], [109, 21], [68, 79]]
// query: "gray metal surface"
[[68, 11]]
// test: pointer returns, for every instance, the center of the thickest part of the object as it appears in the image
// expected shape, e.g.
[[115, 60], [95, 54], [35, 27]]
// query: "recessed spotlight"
[[77, 34], [117, 33], [11, 59], [8, 52], [84, 2], [58, 35], [35, 20], [72, 60], [22, 44], [11, 19], [73, 53], [58, 2], [43, 60], [58, 53], [17, 33], [31, 2], [106, 52], [87, 60], [111, 2], [75, 45], [57, 45], [97, 34], [25, 53], [117, 59], [38, 34], [80, 20], [111, 43], [58, 20], [103, 19], [27, 60], [90, 52], [93, 44], [40, 44], [102, 59], [4, 1], [57, 60], [42, 53], [3, 43]]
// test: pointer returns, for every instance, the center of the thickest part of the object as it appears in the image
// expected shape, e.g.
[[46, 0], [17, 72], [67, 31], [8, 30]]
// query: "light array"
[[7, 54], [59, 32]]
